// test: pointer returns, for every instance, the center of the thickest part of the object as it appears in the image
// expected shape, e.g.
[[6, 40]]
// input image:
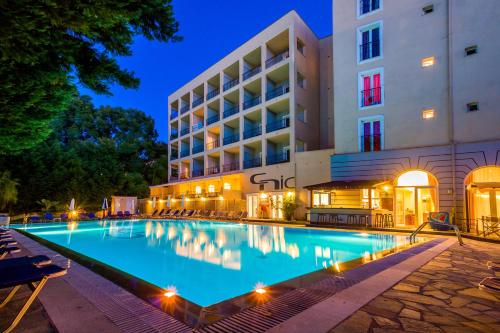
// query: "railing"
[[371, 96], [252, 102], [369, 50], [213, 93], [184, 131], [281, 157], [173, 114], [277, 58], [366, 6], [231, 139], [197, 102], [174, 135], [174, 177], [198, 173], [197, 149], [251, 72], [371, 142], [213, 170], [278, 91], [231, 167], [250, 133], [252, 163], [213, 119], [231, 111], [184, 109], [184, 153], [228, 85], [213, 145], [197, 126], [184, 175], [174, 155], [277, 125]]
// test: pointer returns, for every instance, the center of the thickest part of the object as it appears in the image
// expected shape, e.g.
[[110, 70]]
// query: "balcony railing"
[[371, 96], [173, 114], [252, 163], [369, 50], [250, 133], [228, 85], [366, 6], [185, 109], [213, 145], [231, 111], [198, 149], [251, 72], [197, 126], [197, 102], [213, 119], [278, 91], [184, 175], [277, 58], [231, 167], [184, 131], [252, 102], [213, 170], [213, 93], [198, 173], [281, 157], [184, 153], [174, 177], [174, 154], [277, 125], [231, 139], [174, 135], [371, 142]]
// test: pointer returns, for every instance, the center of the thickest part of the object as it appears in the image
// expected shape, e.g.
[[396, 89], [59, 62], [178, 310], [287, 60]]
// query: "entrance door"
[[253, 205], [276, 211]]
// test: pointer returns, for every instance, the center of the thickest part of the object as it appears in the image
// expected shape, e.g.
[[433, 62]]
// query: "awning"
[[344, 185]]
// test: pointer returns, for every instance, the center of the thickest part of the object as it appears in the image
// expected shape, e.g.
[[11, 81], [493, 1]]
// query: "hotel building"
[[240, 130], [416, 109]]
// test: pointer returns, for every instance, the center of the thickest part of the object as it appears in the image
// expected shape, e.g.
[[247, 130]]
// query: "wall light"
[[428, 62], [263, 196], [227, 186], [428, 114]]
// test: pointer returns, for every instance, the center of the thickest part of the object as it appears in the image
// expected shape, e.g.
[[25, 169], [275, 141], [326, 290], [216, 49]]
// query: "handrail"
[[420, 227]]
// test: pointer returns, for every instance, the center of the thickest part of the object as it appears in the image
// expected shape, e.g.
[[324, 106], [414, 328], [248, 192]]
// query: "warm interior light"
[[263, 196], [386, 188], [414, 178], [428, 114], [290, 194], [221, 198], [197, 189], [203, 198], [211, 188], [227, 186], [428, 62]]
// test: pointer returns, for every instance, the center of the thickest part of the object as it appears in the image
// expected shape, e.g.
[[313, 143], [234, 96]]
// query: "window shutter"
[[375, 42]]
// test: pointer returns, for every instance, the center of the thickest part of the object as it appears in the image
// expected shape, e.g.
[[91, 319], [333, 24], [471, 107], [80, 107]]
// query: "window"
[[300, 146], [428, 9], [470, 50], [371, 134], [301, 47], [227, 186], [197, 190], [321, 198], [301, 113], [368, 6], [473, 106], [370, 41], [370, 88], [301, 81], [428, 114], [211, 188], [428, 62]]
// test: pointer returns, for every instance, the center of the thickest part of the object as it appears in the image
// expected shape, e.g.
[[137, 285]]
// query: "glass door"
[[405, 209], [253, 205], [276, 211]]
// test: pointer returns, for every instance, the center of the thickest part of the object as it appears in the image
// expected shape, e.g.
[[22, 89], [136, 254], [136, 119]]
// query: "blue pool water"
[[209, 262]]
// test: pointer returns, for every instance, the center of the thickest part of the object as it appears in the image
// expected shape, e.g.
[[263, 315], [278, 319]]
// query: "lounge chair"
[[212, 214], [189, 213], [7, 243], [64, 217], [8, 250], [21, 261], [5, 237], [48, 217], [31, 275], [494, 266], [83, 216], [34, 219], [237, 216], [91, 216], [127, 214], [119, 214], [165, 212], [491, 284]]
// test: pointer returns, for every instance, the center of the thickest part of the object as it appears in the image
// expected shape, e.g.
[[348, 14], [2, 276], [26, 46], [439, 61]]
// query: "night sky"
[[211, 30]]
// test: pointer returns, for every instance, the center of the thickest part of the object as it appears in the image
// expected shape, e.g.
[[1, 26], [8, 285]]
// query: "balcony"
[[198, 126], [198, 173], [198, 149], [173, 114], [174, 177], [255, 131], [371, 142], [231, 139], [281, 157], [184, 109], [230, 84], [369, 50], [252, 163], [231, 167], [252, 102], [197, 102], [184, 153], [277, 125], [371, 97], [277, 58], [213, 119], [213, 93], [174, 154], [174, 135], [184, 175], [251, 72], [278, 91], [213, 145], [184, 131], [231, 111], [213, 170]]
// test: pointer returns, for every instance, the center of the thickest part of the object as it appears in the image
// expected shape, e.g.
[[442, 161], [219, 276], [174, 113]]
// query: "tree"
[[46, 47], [8, 190]]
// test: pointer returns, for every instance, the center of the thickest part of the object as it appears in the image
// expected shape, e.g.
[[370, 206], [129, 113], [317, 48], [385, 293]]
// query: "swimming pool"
[[208, 262]]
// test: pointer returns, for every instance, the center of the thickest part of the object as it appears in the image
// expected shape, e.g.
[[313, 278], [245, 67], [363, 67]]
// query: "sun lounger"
[[91, 216], [494, 266], [189, 213], [7, 243], [8, 250], [48, 217], [33, 276], [21, 261], [119, 214], [64, 217], [165, 212], [212, 214], [34, 219], [491, 284]]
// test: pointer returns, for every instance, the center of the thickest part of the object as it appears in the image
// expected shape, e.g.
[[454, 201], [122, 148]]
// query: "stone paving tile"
[[442, 296]]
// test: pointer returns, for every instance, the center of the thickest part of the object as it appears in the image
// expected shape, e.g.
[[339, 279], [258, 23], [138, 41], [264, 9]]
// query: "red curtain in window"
[[377, 137], [366, 91], [367, 137], [377, 91]]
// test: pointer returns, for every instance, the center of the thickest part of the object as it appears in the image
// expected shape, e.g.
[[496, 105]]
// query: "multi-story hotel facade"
[[416, 110], [239, 130]]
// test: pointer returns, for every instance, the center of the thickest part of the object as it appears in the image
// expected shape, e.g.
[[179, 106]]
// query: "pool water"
[[208, 262]]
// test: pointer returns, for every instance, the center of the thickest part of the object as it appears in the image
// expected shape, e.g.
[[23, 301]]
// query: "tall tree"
[[8, 190], [46, 47]]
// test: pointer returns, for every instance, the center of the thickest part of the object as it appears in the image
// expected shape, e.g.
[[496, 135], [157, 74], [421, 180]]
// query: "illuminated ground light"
[[171, 292], [260, 288]]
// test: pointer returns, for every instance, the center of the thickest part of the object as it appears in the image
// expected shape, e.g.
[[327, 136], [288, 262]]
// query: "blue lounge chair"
[[21, 261], [33, 276], [91, 216], [48, 217], [127, 214], [119, 214], [34, 219], [8, 250], [64, 217], [7, 243]]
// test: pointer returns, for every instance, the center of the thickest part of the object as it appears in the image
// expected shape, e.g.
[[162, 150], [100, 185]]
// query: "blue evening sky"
[[211, 29]]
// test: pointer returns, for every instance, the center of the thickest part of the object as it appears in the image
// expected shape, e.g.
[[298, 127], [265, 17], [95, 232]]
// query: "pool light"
[[260, 288], [171, 292]]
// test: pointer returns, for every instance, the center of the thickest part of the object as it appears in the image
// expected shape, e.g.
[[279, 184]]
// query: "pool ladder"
[[454, 227]]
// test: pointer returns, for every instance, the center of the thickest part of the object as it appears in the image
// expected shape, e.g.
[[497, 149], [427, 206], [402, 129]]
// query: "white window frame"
[[358, 10], [359, 39], [371, 119], [379, 70]]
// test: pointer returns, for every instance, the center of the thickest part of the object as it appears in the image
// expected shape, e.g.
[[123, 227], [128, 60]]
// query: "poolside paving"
[[441, 296]]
